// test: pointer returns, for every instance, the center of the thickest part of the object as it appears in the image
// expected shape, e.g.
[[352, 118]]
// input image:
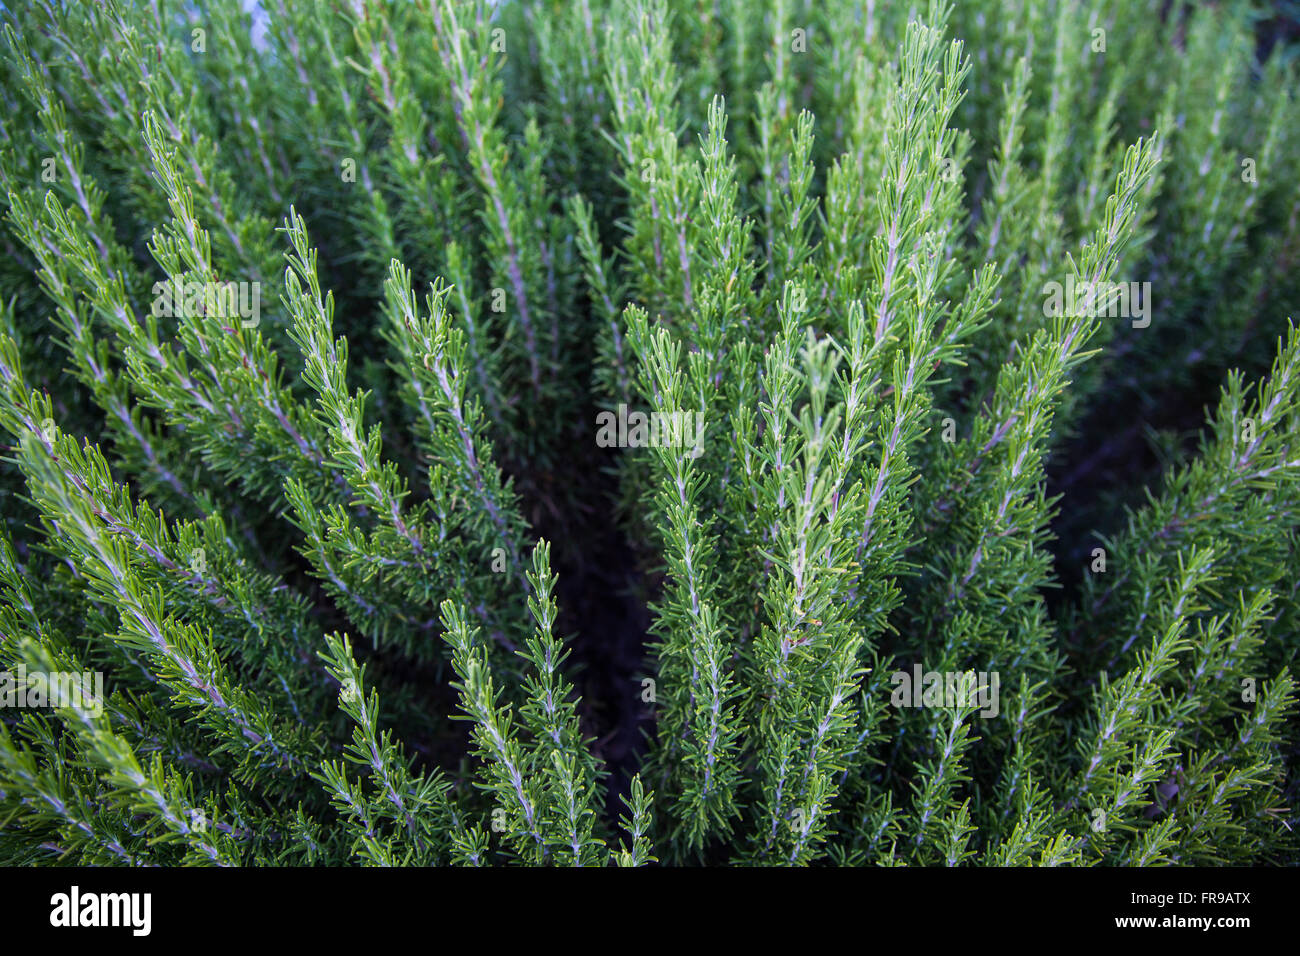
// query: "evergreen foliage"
[[316, 321]]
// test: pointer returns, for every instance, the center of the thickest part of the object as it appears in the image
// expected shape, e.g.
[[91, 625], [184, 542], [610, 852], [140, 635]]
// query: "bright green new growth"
[[305, 343]]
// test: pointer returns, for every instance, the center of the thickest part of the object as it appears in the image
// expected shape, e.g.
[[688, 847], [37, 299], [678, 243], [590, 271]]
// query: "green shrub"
[[859, 352]]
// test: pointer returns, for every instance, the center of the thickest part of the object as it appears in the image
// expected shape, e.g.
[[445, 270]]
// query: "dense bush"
[[855, 358]]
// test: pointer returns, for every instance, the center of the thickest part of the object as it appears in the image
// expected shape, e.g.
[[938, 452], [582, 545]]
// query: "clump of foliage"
[[307, 316]]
